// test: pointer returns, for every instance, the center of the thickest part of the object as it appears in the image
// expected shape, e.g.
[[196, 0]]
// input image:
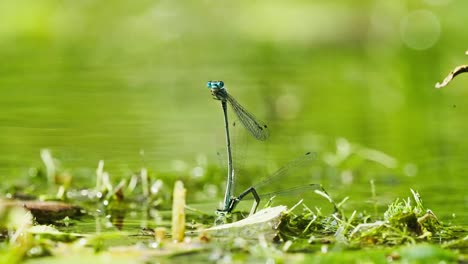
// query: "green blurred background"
[[94, 80]]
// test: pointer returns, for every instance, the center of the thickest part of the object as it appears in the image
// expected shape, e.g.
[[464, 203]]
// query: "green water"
[[91, 81]]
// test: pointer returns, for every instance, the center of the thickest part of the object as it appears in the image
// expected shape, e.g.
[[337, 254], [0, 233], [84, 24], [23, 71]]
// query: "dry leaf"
[[452, 74]]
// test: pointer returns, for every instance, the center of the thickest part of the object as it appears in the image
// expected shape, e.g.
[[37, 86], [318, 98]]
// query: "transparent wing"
[[292, 191], [287, 169], [258, 129]]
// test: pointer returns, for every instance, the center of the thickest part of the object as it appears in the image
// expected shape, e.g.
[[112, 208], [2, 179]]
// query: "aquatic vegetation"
[[406, 230]]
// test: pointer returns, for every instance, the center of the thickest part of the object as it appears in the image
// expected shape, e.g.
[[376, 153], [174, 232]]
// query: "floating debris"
[[45, 212], [263, 222], [160, 233]]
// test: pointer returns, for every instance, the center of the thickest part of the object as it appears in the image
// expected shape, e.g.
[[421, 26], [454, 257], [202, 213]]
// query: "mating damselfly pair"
[[260, 131]]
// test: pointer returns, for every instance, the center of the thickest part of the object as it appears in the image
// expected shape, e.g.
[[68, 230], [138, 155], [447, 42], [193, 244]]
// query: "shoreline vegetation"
[[46, 228]]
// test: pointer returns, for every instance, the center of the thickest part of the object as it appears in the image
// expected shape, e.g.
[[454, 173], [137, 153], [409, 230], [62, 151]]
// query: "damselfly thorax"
[[219, 94]]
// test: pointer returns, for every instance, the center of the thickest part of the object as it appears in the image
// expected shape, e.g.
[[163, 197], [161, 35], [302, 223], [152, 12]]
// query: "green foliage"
[[405, 222]]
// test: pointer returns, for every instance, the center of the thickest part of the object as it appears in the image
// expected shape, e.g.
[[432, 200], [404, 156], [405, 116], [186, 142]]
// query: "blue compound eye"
[[208, 84], [220, 84]]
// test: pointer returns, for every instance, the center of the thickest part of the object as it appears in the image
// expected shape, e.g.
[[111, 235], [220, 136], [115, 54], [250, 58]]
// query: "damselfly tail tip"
[[311, 155], [262, 127]]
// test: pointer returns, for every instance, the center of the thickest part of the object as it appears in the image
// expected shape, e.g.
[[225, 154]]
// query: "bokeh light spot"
[[420, 29]]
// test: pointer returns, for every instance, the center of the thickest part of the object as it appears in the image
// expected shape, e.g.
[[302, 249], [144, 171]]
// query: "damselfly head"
[[217, 90], [215, 84]]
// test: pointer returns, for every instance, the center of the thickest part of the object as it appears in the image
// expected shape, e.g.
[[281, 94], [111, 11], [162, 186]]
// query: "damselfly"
[[256, 128]]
